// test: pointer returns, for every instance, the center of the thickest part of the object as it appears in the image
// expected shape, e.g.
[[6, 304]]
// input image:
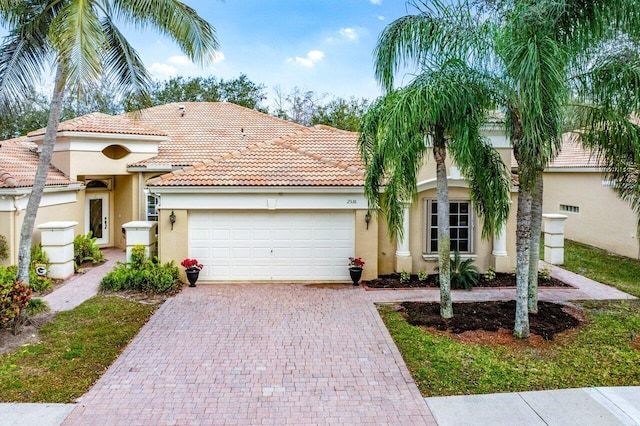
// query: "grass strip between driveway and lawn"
[[605, 351], [75, 350]]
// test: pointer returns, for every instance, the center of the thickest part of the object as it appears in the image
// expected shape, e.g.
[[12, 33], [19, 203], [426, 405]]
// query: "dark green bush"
[[86, 250], [37, 305], [14, 298], [142, 274]]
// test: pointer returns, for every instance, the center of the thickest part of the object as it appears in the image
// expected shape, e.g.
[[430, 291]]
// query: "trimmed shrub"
[[86, 250], [36, 282], [4, 248], [142, 274], [8, 274]]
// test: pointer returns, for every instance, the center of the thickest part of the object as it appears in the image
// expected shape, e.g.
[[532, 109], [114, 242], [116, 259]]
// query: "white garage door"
[[272, 245]]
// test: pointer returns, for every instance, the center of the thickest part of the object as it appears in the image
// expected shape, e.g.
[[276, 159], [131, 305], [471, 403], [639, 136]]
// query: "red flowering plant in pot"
[[355, 269], [192, 268]]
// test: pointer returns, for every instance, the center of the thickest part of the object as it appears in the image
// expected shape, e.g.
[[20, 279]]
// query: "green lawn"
[[600, 354], [602, 266], [604, 352], [76, 348]]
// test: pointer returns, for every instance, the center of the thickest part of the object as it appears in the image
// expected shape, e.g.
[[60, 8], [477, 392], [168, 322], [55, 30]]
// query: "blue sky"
[[320, 45]]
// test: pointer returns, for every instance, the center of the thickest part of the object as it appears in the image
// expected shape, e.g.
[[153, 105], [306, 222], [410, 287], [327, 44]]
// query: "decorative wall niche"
[[115, 152]]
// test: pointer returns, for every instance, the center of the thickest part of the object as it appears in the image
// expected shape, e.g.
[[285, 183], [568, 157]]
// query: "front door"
[[97, 217]]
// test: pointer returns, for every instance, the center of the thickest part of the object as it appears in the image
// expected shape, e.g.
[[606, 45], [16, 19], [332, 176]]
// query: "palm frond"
[[195, 36], [438, 30], [77, 38], [123, 63]]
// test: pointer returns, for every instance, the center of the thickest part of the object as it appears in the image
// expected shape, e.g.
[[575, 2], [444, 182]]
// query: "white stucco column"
[[404, 261], [500, 241], [403, 241], [142, 233], [553, 227], [57, 242]]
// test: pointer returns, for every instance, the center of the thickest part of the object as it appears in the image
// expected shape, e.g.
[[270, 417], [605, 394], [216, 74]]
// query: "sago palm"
[[80, 42]]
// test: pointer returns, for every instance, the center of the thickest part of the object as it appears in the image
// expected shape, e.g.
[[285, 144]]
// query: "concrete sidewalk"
[[566, 407]]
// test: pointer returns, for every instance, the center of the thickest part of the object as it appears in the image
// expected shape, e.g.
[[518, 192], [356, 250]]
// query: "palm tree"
[[81, 42], [442, 105]]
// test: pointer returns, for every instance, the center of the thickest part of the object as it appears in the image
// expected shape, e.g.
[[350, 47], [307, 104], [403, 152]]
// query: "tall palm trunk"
[[444, 238], [523, 239], [24, 251], [534, 254]]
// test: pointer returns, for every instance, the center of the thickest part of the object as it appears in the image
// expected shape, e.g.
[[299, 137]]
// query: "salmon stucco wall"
[[173, 244], [603, 219], [7, 230], [125, 201], [366, 244], [417, 238]]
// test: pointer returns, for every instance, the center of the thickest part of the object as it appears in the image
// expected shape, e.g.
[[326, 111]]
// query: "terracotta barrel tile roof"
[[268, 164], [103, 123], [573, 155], [204, 130], [18, 165]]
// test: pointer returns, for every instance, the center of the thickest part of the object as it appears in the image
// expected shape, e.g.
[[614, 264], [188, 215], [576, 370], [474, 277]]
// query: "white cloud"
[[312, 58], [381, 18], [377, 2], [162, 71], [346, 35], [349, 33], [180, 65], [180, 60]]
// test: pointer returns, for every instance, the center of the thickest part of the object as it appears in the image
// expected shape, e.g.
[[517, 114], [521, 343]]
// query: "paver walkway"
[[81, 287]]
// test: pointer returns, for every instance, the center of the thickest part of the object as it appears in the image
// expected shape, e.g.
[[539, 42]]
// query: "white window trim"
[[146, 206], [426, 222]]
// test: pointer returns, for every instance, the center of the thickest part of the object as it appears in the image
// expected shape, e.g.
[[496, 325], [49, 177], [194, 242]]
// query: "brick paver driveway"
[[259, 354]]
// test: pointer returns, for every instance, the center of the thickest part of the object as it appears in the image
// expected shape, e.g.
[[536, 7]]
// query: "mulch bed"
[[392, 281], [551, 319]]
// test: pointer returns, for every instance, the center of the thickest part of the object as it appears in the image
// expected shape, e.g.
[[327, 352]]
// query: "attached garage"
[[273, 245]]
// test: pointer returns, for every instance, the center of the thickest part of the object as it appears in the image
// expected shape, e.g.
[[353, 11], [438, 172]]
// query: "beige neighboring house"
[[575, 186], [253, 197]]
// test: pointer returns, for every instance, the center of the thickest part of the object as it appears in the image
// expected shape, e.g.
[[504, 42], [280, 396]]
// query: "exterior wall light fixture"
[[172, 219]]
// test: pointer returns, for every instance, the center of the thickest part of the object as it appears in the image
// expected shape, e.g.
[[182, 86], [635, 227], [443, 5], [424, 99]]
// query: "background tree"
[[345, 114], [298, 105], [81, 42], [240, 91], [27, 114]]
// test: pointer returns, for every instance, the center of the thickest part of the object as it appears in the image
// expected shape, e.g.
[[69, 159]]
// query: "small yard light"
[[172, 219], [367, 219]]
